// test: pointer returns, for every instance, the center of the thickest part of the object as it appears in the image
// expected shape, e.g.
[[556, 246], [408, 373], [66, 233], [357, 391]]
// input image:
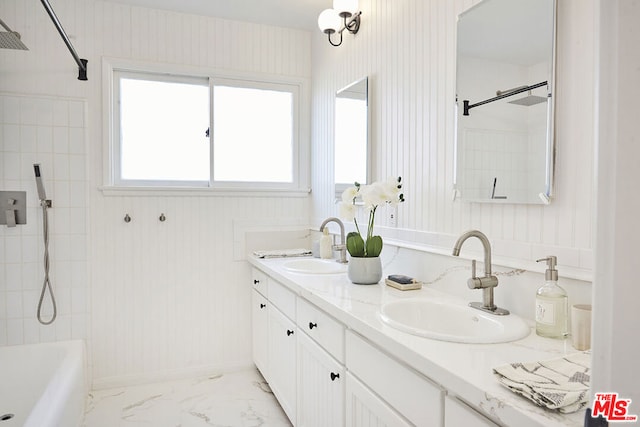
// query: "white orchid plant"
[[372, 195]]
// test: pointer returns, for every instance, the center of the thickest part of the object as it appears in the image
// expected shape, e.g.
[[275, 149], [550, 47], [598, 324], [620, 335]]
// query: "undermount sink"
[[315, 266], [446, 321]]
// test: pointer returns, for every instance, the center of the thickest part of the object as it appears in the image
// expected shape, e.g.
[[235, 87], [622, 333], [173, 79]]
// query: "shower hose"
[[46, 283]]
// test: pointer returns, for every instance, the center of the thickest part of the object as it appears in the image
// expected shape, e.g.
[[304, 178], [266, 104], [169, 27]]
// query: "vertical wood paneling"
[[408, 50]]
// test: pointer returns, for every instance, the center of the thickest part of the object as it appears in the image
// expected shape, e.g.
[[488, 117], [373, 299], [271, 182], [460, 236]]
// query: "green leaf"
[[374, 246], [355, 244]]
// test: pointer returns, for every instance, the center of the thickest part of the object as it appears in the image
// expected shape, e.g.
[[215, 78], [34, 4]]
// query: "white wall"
[[616, 292], [49, 131], [167, 298], [407, 48]]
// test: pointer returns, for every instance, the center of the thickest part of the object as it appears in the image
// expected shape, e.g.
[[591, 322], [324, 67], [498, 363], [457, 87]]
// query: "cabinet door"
[[320, 386], [282, 360], [458, 414], [260, 332], [365, 409]]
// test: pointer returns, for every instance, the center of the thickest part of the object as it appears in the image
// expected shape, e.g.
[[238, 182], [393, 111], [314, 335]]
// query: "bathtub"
[[43, 385]]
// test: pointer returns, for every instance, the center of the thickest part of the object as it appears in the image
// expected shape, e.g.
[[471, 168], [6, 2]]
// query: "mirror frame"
[[340, 187], [550, 143]]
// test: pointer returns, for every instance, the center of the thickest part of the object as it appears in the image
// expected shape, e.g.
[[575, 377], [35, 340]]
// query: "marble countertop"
[[463, 369]]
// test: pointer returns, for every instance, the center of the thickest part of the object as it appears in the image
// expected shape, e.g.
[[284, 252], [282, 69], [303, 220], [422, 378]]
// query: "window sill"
[[203, 192]]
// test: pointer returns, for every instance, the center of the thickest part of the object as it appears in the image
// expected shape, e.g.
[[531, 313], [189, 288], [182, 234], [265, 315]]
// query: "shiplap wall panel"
[[407, 48], [168, 298]]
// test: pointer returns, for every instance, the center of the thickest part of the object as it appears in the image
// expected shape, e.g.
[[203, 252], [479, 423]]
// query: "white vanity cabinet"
[[458, 414], [410, 394], [259, 331], [282, 360], [320, 386], [321, 372], [274, 338], [364, 408]]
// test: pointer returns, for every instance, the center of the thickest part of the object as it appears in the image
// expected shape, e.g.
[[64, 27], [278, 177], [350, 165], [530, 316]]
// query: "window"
[[252, 134], [171, 130], [163, 127]]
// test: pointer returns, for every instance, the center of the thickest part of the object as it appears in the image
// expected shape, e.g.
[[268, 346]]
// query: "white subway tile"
[[14, 304], [11, 138], [44, 139], [28, 138], [11, 113], [61, 167], [15, 332], [60, 140], [60, 113], [44, 110]]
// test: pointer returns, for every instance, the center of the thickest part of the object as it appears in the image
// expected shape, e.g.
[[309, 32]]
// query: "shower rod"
[[507, 94], [82, 63]]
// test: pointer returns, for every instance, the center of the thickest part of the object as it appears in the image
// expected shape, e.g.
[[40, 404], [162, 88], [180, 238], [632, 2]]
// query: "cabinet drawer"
[[416, 398], [322, 328], [259, 281], [282, 298]]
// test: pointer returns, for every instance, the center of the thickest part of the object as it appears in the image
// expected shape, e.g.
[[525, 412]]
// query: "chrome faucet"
[[342, 247], [486, 283]]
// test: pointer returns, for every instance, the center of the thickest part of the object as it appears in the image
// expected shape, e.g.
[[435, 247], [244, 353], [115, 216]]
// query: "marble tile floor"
[[241, 399]]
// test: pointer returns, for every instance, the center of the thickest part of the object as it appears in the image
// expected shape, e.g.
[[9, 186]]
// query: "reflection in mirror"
[[351, 135], [504, 135]]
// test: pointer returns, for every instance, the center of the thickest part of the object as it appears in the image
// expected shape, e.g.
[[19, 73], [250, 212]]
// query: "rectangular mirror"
[[351, 149], [504, 102]]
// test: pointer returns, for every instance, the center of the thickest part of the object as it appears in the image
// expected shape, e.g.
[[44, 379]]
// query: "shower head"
[[42, 195], [529, 100], [10, 39]]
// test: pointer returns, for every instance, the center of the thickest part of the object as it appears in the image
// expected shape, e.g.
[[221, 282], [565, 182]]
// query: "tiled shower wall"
[[50, 132]]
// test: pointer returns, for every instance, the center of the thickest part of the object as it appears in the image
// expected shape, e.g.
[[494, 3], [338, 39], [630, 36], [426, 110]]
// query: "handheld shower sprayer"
[[42, 194], [46, 204]]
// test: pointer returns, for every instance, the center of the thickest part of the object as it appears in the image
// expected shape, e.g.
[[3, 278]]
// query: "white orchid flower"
[[349, 194], [347, 210]]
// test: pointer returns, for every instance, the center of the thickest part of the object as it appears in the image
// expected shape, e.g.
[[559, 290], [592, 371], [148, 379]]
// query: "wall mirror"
[[504, 103], [351, 151]]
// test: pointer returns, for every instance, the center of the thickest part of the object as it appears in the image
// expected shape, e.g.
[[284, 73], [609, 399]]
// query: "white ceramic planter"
[[364, 271]]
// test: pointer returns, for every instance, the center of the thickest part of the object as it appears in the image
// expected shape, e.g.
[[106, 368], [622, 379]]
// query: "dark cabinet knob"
[[289, 332], [334, 376], [312, 325], [256, 281], [263, 305]]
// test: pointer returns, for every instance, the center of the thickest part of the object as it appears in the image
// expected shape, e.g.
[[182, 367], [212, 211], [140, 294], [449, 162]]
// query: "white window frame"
[[112, 68]]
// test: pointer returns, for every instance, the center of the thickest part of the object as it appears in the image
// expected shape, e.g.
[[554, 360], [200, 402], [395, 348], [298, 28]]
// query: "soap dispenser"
[[551, 304], [326, 245]]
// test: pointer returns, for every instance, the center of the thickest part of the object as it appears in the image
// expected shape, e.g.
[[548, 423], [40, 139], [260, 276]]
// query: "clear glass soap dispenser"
[[552, 304]]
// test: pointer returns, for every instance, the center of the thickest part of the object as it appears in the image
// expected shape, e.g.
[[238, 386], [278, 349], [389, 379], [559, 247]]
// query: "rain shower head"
[[529, 100], [10, 39]]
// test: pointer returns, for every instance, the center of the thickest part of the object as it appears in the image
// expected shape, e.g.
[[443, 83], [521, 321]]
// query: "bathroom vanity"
[[330, 360]]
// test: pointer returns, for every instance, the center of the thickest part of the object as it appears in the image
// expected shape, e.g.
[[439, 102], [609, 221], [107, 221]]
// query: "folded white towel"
[[561, 384], [282, 253]]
